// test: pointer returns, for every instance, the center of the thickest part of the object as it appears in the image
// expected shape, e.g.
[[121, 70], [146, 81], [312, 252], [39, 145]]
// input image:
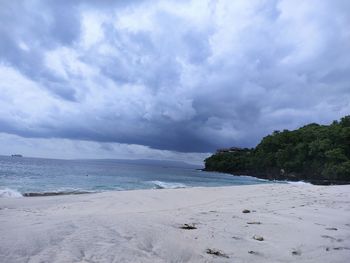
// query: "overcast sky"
[[167, 79]]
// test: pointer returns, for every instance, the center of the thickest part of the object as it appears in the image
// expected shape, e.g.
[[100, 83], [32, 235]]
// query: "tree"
[[312, 152]]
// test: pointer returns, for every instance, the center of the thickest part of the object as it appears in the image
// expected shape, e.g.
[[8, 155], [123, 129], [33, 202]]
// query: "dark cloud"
[[187, 76]]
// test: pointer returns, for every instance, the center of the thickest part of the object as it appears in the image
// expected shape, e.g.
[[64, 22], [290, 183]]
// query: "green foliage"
[[313, 152]]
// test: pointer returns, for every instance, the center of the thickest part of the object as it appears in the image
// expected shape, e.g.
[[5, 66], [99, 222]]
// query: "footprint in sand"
[[338, 248], [254, 253], [341, 248], [332, 238], [331, 228]]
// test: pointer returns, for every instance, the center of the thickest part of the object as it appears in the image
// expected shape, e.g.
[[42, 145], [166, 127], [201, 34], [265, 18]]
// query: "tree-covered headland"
[[315, 153]]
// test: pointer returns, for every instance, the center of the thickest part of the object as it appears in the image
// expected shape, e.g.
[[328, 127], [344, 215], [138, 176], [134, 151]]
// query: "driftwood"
[[188, 226], [216, 252]]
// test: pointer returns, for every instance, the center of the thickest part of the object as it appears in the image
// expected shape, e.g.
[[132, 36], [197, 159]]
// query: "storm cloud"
[[184, 76]]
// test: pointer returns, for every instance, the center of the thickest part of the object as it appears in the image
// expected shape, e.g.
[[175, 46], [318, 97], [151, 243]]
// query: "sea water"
[[20, 176]]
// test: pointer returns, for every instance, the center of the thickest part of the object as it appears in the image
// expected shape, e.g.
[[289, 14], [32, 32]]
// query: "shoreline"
[[158, 185], [297, 222]]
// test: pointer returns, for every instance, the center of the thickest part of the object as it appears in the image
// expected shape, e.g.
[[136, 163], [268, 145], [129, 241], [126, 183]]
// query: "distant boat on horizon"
[[16, 155]]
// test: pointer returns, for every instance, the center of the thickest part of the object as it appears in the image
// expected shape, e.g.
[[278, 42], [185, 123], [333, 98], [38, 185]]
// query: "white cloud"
[[186, 76], [23, 101], [65, 63], [92, 31]]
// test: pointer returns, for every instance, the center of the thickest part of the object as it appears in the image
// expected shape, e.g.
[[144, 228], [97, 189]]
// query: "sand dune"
[[285, 223]]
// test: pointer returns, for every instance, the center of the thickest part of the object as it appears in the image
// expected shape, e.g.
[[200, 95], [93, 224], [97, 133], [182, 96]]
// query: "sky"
[[167, 79]]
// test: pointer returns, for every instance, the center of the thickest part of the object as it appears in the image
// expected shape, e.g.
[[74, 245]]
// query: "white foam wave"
[[299, 183], [9, 193], [165, 185]]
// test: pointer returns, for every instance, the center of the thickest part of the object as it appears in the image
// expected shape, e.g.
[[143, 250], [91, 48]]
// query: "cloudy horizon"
[[167, 79]]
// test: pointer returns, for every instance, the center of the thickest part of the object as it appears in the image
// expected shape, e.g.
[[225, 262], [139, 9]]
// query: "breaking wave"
[[165, 185], [10, 193], [299, 183]]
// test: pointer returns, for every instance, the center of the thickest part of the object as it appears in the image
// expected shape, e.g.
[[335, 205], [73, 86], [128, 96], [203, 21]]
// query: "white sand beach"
[[298, 223]]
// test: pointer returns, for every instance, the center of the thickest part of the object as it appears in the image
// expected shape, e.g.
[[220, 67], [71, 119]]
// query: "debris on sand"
[[188, 226], [254, 223], [246, 211], [259, 238], [296, 252], [216, 252]]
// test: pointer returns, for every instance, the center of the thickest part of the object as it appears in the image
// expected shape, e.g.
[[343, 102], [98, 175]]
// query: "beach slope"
[[257, 223]]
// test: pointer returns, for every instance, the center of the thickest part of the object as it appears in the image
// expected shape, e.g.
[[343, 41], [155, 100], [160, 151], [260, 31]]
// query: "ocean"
[[21, 176]]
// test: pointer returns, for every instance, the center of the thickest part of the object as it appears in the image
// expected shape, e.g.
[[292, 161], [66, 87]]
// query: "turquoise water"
[[23, 176]]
